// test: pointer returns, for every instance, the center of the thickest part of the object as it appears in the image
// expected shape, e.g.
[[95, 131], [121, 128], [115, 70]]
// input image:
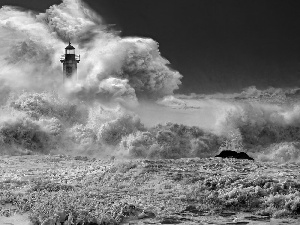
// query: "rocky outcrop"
[[234, 154]]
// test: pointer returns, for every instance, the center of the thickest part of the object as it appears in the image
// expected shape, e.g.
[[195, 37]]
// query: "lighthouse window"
[[70, 51]]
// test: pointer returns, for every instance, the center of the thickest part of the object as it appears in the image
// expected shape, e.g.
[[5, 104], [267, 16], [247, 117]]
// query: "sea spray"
[[106, 111]]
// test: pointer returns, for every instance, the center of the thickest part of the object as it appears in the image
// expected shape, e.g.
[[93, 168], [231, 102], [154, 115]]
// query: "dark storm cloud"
[[218, 45]]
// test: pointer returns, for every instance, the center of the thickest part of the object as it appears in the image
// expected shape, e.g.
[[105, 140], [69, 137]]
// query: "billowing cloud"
[[32, 44]]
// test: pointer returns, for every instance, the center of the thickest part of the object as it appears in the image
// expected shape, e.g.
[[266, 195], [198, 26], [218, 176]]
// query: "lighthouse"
[[69, 61]]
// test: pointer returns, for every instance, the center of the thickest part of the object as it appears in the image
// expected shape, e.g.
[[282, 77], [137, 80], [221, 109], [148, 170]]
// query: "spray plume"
[[39, 113], [124, 87]]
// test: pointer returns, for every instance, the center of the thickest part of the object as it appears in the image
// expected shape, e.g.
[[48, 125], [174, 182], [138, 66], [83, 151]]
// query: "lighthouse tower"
[[69, 61]]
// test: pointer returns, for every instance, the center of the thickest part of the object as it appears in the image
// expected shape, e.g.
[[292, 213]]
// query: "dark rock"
[[185, 219], [170, 220], [234, 154]]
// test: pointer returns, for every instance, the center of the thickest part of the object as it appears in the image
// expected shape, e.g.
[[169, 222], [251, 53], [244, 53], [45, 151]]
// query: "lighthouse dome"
[[69, 46]]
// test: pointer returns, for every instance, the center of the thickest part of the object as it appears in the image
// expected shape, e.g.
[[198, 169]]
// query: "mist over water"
[[122, 102]]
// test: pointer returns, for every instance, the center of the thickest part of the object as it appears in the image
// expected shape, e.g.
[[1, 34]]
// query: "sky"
[[217, 45]]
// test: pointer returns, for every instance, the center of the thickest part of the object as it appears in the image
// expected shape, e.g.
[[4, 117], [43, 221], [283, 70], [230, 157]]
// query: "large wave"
[[44, 123], [124, 88], [270, 131]]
